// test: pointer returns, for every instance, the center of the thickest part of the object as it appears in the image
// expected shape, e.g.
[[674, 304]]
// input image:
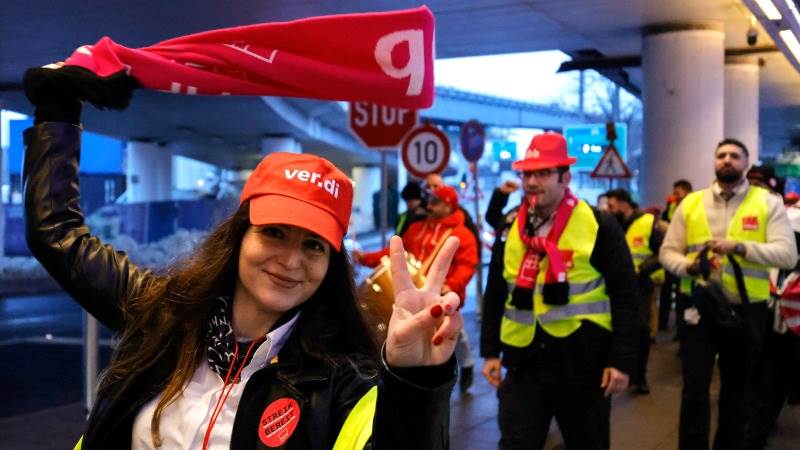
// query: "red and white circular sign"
[[278, 422], [426, 150]]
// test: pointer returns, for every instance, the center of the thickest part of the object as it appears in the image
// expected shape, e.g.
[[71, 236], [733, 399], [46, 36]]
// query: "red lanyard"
[[226, 389]]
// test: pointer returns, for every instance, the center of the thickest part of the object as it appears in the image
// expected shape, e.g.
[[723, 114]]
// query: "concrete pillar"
[[272, 144], [148, 172], [741, 103], [367, 181], [683, 95]]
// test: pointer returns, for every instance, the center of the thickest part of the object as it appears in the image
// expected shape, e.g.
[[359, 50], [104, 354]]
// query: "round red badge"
[[278, 422]]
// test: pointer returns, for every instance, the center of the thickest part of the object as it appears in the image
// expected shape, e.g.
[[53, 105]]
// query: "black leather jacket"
[[408, 415]]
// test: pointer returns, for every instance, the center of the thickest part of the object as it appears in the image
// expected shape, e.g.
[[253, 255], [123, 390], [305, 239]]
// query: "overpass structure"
[[705, 69]]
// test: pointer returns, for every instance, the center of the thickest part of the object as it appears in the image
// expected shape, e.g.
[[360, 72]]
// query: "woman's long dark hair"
[[167, 320]]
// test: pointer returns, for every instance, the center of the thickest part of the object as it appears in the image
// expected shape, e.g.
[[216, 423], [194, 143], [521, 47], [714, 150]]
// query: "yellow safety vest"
[[587, 289], [671, 210], [638, 238], [356, 430], [749, 223]]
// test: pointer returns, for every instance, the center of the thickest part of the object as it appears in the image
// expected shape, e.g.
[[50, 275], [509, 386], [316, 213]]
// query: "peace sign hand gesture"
[[425, 324]]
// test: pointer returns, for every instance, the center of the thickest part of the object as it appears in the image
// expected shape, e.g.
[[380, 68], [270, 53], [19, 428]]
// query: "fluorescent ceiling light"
[[769, 9], [792, 43]]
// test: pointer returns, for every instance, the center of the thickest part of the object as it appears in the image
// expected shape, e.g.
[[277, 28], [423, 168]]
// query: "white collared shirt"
[[184, 422], [778, 251]]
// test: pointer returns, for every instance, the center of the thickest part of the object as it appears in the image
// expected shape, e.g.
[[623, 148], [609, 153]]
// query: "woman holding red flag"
[[255, 340]]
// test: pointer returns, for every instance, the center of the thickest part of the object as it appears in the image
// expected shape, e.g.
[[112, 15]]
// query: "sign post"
[[611, 165], [473, 139], [382, 128]]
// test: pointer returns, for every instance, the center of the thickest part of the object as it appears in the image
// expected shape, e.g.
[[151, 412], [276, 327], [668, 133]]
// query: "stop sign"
[[379, 126]]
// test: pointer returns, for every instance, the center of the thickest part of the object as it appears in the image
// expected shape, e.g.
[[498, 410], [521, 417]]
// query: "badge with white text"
[[278, 422], [750, 223]]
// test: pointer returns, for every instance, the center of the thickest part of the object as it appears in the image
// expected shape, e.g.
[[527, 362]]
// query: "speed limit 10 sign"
[[425, 150]]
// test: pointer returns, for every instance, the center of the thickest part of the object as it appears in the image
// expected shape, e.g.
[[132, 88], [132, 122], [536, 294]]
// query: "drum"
[[376, 293]]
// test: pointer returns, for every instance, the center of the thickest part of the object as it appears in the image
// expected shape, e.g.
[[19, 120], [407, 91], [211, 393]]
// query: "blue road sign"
[[587, 143], [472, 140]]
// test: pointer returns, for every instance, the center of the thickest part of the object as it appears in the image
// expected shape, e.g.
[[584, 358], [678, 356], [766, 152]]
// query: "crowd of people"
[[257, 339], [569, 302], [576, 294]]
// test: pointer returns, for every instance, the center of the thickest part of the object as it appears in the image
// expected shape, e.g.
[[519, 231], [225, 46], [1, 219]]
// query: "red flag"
[[384, 57], [790, 302]]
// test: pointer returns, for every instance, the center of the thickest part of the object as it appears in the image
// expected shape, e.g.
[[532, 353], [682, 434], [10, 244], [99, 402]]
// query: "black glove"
[[57, 93], [556, 293]]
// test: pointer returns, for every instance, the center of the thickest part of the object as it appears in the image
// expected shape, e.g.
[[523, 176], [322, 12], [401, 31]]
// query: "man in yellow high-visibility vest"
[[734, 220], [562, 313], [644, 237]]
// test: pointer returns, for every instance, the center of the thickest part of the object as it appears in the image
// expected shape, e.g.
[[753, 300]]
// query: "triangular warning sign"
[[611, 165]]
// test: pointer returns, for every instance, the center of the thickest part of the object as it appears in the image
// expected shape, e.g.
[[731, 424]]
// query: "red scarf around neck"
[[537, 245], [384, 57]]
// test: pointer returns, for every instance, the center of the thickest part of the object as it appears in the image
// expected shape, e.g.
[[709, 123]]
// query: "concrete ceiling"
[[36, 32]]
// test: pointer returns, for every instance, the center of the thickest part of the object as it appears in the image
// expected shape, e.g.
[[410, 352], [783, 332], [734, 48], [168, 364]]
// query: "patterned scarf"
[[222, 342], [537, 247]]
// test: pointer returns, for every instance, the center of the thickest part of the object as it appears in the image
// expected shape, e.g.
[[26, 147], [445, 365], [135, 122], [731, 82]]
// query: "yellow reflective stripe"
[[575, 309], [748, 272], [357, 428], [79, 444], [582, 288]]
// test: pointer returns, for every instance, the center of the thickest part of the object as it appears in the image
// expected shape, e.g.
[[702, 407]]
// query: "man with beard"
[[563, 314], [644, 237], [732, 219]]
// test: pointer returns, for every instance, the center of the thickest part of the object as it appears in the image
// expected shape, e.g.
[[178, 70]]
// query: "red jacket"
[[420, 240]]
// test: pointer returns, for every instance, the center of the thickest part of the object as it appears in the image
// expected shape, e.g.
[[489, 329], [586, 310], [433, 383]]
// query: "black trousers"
[[665, 300], [738, 352], [670, 293], [642, 355], [530, 397]]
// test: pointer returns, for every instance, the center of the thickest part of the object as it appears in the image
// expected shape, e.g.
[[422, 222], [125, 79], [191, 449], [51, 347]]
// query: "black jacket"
[[408, 415], [591, 347]]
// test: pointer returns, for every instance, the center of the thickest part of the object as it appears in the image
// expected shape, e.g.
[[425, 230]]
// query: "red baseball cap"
[[546, 150], [446, 194], [301, 190]]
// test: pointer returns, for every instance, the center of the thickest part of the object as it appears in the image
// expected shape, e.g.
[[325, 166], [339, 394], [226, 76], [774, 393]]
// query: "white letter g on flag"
[[415, 69]]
